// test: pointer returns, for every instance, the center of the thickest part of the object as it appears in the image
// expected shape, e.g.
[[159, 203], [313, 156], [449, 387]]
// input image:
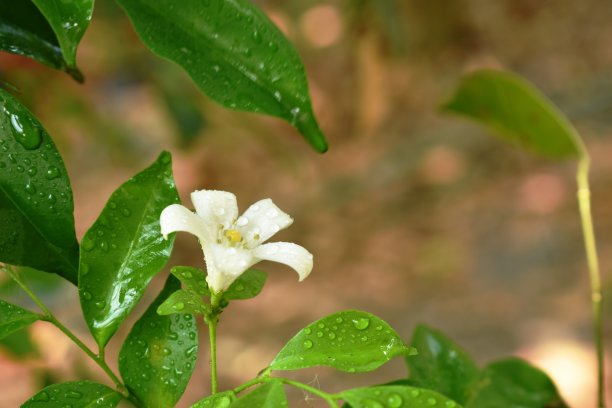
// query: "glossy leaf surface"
[[396, 396], [268, 395], [182, 301], [247, 286], [441, 365], [159, 354], [36, 207], [69, 20], [514, 383], [193, 279], [25, 31], [77, 394], [124, 248], [351, 341], [234, 53], [518, 112], [219, 400], [13, 318]]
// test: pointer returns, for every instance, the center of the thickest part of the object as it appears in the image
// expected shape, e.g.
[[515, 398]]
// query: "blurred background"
[[411, 215]]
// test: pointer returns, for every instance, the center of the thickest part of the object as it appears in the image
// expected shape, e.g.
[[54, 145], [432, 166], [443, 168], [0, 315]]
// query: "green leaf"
[[36, 208], [396, 396], [25, 31], [124, 248], [441, 365], [183, 301], [269, 395], [234, 53], [76, 394], [20, 345], [351, 341], [159, 354], [514, 383], [194, 279], [69, 20], [219, 400], [518, 112], [13, 318], [247, 286]]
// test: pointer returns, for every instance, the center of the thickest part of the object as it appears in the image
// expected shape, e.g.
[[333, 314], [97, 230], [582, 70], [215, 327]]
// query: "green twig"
[[49, 317], [211, 320], [584, 202]]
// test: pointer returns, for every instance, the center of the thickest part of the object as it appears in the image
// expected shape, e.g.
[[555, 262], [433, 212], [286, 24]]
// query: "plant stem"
[[49, 317], [584, 202], [211, 320]]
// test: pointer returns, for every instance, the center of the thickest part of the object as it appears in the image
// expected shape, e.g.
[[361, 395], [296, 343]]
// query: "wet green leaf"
[[514, 383], [193, 279], [124, 248], [247, 286], [396, 396], [36, 207], [14, 318], [351, 341], [77, 394], [69, 20], [234, 53], [268, 395], [518, 112], [182, 301], [25, 31], [219, 400], [441, 365], [159, 355]]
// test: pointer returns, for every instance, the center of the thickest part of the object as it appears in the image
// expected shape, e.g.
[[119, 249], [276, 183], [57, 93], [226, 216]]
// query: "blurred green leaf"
[[219, 400], [517, 111], [269, 395], [76, 394], [246, 286], [69, 20], [25, 31], [351, 341], [124, 248], [36, 208], [183, 301], [20, 344], [441, 365], [159, 354], [14, 318], [234, 53], [396, 396], [514, 383]]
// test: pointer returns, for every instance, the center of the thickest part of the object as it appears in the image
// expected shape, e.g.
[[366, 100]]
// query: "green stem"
[[49, 317], [584, 202], [211, 320]]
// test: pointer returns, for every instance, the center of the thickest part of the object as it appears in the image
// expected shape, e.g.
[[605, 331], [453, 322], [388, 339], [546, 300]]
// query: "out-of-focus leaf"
[[124, 248], [159, 355], [351, 341], [14, 318], [36, 207], [441, 365], [518, 112], [77, 394], [247, 286], [269, 395], [69, 20], [20, 344], [514, 383], [396, 396], [234, 53]]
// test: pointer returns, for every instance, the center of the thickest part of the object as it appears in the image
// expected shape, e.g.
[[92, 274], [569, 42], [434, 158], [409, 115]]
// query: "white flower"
[[233, 244]]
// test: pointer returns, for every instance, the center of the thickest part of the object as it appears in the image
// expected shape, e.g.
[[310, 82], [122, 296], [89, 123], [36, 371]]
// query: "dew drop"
[[364, 338], [431, 401], [361, 323], [178, 306], [29, 188], [394, 401], [166, 351], [42, 397], [126, 212], [451, 404], [307, 344], [331, 335], [52, 173], [308, 330], [88, 244], [26, 134], [74, 395], [242, 221], [32, 171], [319, 334], [415, 393], [86, 295], [20, 169], [51, 199], [368, 403], [100, 304], [339, 320]]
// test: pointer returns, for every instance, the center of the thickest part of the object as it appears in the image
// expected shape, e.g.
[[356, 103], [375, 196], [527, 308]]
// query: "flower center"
[[233, 236]]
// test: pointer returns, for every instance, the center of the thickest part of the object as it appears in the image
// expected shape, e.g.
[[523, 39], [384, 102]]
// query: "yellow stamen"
[[233, 236]]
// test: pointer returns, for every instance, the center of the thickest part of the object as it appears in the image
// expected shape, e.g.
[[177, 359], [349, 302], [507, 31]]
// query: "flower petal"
[[224, 264], [260, 221], [286, 253], [215, 207], [175, 218]]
